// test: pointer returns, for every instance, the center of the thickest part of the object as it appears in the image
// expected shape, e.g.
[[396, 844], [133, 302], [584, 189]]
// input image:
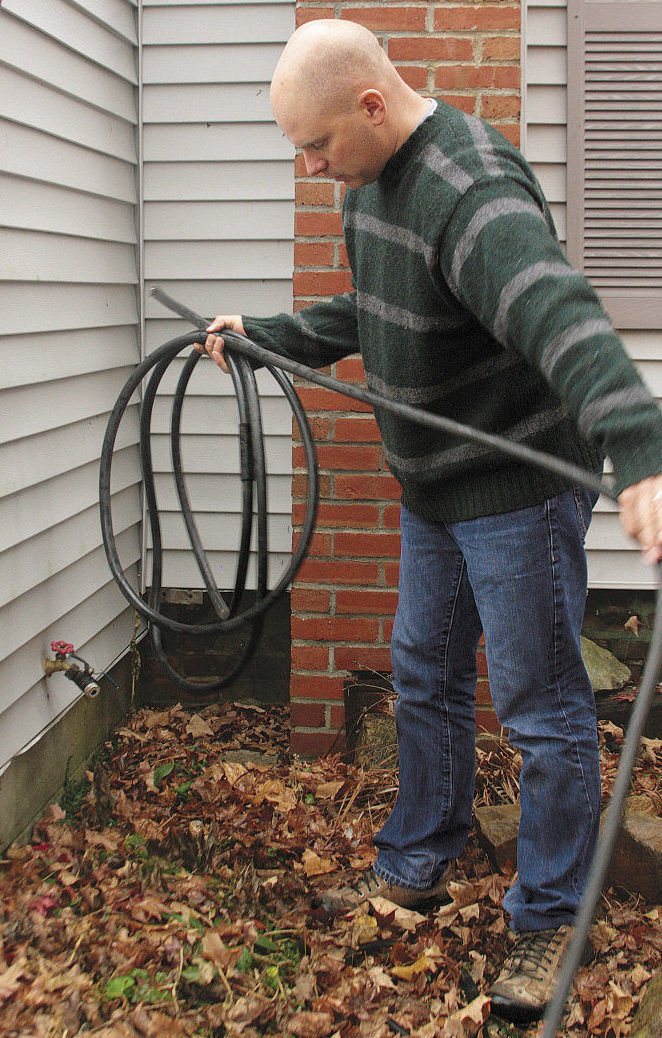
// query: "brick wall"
[[343, 601]]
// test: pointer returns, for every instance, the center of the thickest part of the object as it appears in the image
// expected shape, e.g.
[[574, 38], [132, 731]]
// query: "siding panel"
[[68, 279], [614, 561], [219, 186]]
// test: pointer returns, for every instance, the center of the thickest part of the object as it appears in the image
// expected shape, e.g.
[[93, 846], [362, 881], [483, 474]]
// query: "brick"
[[367, 488], [358, 657], [316, 744], [391, 573], [511, 133], [481, 17], [414, 76], [336, 716], [317, 571], [483, 697], [316, 686], [341, 515], [500, 106], [311, 657], [319, 399], [320, 545], [356, 430], [355, 603], [321, 283], [465, 102], [310, 600], [300, 485], [317, 225], [319, 193], [332, 628], [501, 48], [313, 254], [340, 456], [320, 428], [406, 19], [462, 77], [391, 517], [312, 14], [374, 544], [349, 456], [486, 720], [430, 48], [307, 715], [350, 369]]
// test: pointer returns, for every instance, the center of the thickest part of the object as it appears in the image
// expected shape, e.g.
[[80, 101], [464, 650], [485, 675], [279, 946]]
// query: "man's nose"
[[314, 163]]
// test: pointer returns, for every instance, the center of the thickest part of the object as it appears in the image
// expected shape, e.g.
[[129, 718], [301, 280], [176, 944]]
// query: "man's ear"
[[373, 104]]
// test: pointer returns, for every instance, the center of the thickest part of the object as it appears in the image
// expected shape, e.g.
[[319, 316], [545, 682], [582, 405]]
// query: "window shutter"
[[615, 154]]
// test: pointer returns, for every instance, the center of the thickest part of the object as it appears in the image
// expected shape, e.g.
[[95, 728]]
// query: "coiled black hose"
[[240, 352]]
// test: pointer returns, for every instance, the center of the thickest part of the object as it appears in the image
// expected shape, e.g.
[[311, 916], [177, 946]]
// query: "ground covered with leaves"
[[177, 895]]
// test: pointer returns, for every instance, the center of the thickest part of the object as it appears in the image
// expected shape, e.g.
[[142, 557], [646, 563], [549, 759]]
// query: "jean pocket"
[[584, 503]]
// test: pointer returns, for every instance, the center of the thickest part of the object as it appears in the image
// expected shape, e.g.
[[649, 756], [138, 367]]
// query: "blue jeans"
[[520, 577]]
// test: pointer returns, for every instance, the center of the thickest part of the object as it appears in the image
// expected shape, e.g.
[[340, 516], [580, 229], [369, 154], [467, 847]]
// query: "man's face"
[[343, 147]]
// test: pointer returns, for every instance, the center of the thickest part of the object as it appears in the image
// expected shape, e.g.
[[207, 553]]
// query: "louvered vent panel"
[[623, 160]]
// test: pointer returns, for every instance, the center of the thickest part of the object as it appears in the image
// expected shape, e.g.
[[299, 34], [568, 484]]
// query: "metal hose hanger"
[[242, 355]]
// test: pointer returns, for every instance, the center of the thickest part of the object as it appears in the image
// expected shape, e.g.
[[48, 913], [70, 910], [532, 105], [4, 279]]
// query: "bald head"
[[337, 97], [330, 62]]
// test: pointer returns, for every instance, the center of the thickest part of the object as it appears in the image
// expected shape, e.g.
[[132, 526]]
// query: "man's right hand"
[[214, 344]]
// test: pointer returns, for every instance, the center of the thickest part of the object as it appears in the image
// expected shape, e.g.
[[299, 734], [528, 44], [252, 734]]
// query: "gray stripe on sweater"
[[426, 394], [484, 216], [603, 406], [426, 466], [518, 285], [484, 145], [390, 232], [406, 318], [568, 338], [433, 157]]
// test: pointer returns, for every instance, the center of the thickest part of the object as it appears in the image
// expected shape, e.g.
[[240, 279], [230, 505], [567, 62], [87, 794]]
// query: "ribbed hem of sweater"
[[490, 492]]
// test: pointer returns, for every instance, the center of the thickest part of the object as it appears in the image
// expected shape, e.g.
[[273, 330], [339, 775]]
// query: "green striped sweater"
[[465, 305]]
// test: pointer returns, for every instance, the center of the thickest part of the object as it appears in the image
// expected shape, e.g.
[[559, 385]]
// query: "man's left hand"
[[641, 515]]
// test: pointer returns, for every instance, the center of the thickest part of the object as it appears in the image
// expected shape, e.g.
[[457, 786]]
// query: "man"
[[465, 305]]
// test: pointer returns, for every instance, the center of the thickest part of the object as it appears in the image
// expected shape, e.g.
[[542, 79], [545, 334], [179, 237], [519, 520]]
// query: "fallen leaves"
[[193, 909]]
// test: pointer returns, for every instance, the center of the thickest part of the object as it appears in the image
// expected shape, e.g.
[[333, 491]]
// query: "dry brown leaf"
[[633, 624], [421, 965], [329, 790], [233, 771], [198, 727], [11, 977], [314, 865], [311, 1025], [402, 918]]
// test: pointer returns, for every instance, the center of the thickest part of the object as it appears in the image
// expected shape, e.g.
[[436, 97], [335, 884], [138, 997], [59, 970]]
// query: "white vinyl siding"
[[68, 340], [614, 561], [218, 220]]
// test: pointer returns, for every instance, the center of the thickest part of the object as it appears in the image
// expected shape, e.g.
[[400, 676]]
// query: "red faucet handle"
[[62, 648]]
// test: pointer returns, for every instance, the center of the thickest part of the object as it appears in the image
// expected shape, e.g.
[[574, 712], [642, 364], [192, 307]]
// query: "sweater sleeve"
[[317, 336], [501, 259]]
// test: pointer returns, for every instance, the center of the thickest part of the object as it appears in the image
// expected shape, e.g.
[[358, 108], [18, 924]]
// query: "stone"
[[604, 670], [647, 1021], [377, 743], [636, 865], [497, 827]]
